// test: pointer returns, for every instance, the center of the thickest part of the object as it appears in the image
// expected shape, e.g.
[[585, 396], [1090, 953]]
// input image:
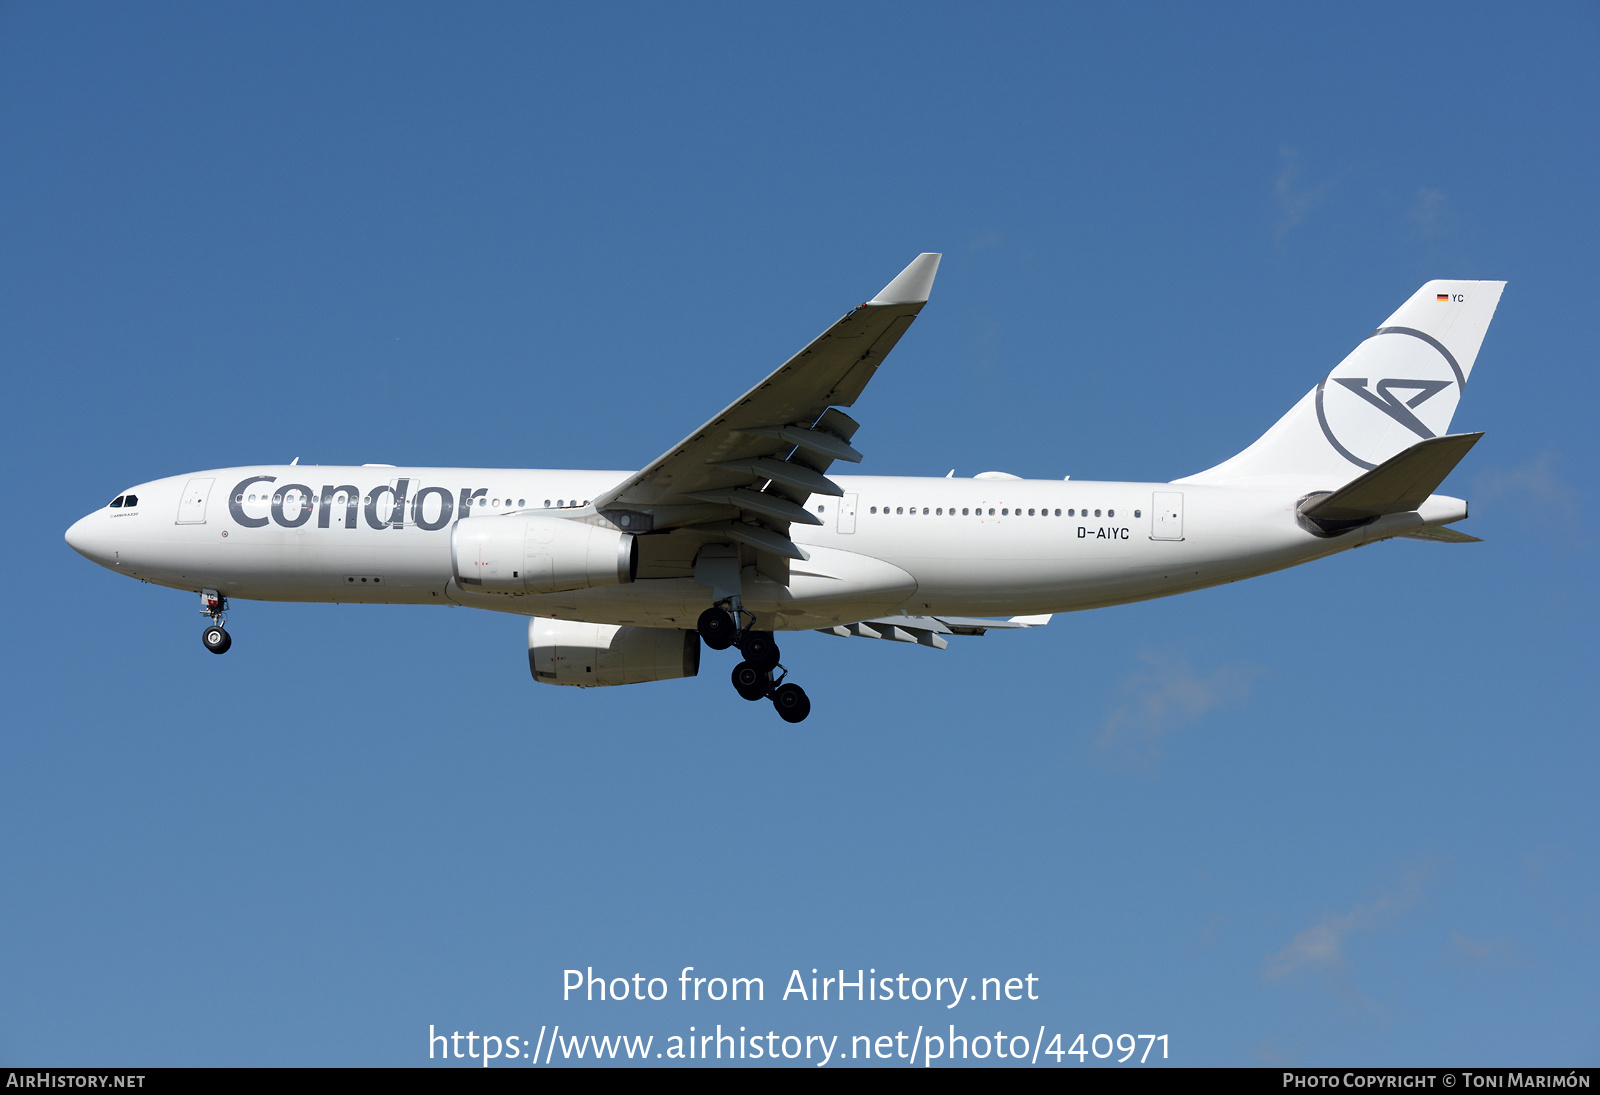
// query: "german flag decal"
[[1442, 297]]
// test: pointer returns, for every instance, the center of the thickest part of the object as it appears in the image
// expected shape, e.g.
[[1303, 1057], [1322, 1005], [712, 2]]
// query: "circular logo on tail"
[[1399, 387]]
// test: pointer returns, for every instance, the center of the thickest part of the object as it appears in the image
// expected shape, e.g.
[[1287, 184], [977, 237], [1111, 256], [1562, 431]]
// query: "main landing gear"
[[214, 604], [759, 676]]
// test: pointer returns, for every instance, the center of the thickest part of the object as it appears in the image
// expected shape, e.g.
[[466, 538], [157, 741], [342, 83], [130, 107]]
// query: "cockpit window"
[[129, 501], [116, 503]]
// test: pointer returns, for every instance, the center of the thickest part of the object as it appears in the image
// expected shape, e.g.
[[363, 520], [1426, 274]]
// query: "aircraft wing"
[[748, 472]]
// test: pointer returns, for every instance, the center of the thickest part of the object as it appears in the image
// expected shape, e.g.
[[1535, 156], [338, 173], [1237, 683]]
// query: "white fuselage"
[[923, 546]]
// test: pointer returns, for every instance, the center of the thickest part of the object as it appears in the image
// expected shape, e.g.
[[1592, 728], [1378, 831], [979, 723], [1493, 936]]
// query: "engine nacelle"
[[514, 554], [597, 655]]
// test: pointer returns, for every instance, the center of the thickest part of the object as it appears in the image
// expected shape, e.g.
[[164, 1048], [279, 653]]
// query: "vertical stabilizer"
[[1400, 386]]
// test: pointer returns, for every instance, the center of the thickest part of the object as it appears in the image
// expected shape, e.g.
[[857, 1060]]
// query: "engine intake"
[[539, 555], [598, 655]]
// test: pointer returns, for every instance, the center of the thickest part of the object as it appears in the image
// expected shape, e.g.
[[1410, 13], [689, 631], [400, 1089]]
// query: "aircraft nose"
[[88, 538]]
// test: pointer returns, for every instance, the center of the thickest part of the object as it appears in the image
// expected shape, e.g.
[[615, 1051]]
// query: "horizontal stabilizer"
[[1398, 485], [1441, 535]]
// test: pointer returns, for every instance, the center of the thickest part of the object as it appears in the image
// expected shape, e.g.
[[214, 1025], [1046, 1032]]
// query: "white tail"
[[1398, 387]]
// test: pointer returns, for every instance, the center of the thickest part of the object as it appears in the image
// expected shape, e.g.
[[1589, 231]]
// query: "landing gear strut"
[[214, 604], [758, 676]]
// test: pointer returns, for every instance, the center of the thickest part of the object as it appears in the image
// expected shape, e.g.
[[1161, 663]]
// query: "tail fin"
[[1398, 387]]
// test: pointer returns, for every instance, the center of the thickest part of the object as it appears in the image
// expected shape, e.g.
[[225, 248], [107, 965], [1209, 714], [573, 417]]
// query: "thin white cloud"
[[1320, 949], [1533, 484], [1431, 214], [1294, 202], [1164, 695], [1537, 495], [1484, 953]]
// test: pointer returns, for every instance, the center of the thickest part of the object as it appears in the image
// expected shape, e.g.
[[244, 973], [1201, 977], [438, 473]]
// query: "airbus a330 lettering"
[[743, 530]]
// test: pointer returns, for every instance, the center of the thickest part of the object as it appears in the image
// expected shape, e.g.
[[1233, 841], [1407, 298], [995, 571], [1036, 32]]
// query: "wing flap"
[[930, 630]]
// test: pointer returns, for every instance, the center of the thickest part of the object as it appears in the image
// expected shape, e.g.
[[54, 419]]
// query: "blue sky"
[[1342, 814]]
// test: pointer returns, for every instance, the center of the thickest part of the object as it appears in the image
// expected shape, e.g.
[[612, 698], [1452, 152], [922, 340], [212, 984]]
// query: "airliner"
[[744, 531]]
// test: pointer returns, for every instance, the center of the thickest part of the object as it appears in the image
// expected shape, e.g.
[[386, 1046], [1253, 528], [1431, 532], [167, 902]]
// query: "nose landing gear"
[[214, 604], [758, 676]]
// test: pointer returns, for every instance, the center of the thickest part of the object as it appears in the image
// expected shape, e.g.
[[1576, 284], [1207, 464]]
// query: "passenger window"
[[1072, 513], [1136, 513], [483, 501], [924, 511], [116, 503], [991, 511], [821, 508], [963, 511], [1030, 511], [939, 512], [1097, 513], [1058, 513], [897, 509], [1111, 513], [521, 502], [1005, 512]]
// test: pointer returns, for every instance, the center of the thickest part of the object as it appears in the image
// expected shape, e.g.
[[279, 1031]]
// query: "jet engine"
[[539, 555], [596, 655]]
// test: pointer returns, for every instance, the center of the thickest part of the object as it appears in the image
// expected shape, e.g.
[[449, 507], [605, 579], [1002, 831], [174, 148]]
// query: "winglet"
[[911, 285]]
